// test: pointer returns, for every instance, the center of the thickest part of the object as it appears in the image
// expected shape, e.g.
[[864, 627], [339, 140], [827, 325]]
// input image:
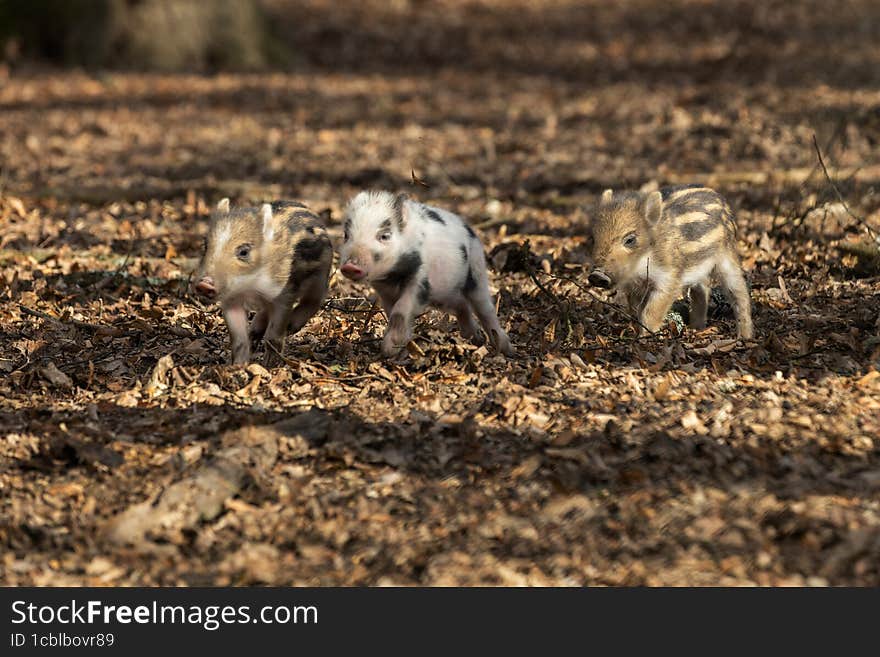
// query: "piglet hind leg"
[[481, 302], [237, 324], [737, 290], [699, 295], [467, 325], [276, 330], [312, 295]]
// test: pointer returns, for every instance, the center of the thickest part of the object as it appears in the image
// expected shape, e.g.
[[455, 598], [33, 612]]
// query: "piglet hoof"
[[502, 343], [396, 336], [391, 348], [240, 356], [471, 333]]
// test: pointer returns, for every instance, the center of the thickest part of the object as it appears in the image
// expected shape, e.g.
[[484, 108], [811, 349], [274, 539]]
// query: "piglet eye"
[[630, 241], [243, 251], [384, 236]]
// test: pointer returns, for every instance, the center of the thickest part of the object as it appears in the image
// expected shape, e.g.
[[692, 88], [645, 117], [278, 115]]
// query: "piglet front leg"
[[400, 319], [236, 322], [656, 307]]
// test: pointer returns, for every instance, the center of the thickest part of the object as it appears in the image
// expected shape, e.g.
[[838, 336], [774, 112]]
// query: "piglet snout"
[[352, 271], [205, 287], [599, 278]]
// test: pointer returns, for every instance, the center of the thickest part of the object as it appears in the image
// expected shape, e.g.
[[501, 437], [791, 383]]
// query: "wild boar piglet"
[[415, 255], [652, 246], [263, 259]]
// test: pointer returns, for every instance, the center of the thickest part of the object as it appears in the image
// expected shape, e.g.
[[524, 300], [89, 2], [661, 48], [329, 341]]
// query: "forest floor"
[[132, 454]]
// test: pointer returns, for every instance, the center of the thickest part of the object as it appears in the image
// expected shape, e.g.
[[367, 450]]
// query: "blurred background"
[[776, 40], [503, 98]]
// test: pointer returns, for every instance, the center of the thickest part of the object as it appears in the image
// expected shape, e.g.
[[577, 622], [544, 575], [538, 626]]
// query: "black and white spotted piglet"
[[414, 256]]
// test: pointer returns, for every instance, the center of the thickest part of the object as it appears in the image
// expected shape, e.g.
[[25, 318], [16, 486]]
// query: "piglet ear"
[[223, 206], [401, 213], [653, 207], [606, 197], [268, 226]]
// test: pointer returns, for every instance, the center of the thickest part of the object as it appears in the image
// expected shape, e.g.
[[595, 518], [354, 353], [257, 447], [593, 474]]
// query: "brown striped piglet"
[[263, 259], [653, 246], [415, 256]]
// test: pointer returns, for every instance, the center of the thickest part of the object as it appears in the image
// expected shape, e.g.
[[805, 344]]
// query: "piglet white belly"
[[254, 289], [699, 273]]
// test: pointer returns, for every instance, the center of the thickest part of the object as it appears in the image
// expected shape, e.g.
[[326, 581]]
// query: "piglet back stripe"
[[695, 258], [666, 192], [690, 201], [297, 218], [277, 206], [470, 283], [311, 248], [433, 216], [303, 215], [399, 201], [694, 230]]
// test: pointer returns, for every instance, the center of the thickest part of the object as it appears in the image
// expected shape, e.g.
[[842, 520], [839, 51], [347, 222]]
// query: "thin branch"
[[531, 272], [496, 221], [329, 304], [57, 320], [112, 276], [368, 318], [609, 304], [833, 185], [284, 359], [793, 214]]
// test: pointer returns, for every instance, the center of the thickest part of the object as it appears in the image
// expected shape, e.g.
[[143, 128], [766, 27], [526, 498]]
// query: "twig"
[[793, 213], [811, 352], [368, 318], [416, 180], [344, 380], [563, 309], [57, 320], [492, 222], [285, 359], [185, 288], [611, 305], [833, 185], [526, 248], [350, 311], [329, 304], [109, 277]]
